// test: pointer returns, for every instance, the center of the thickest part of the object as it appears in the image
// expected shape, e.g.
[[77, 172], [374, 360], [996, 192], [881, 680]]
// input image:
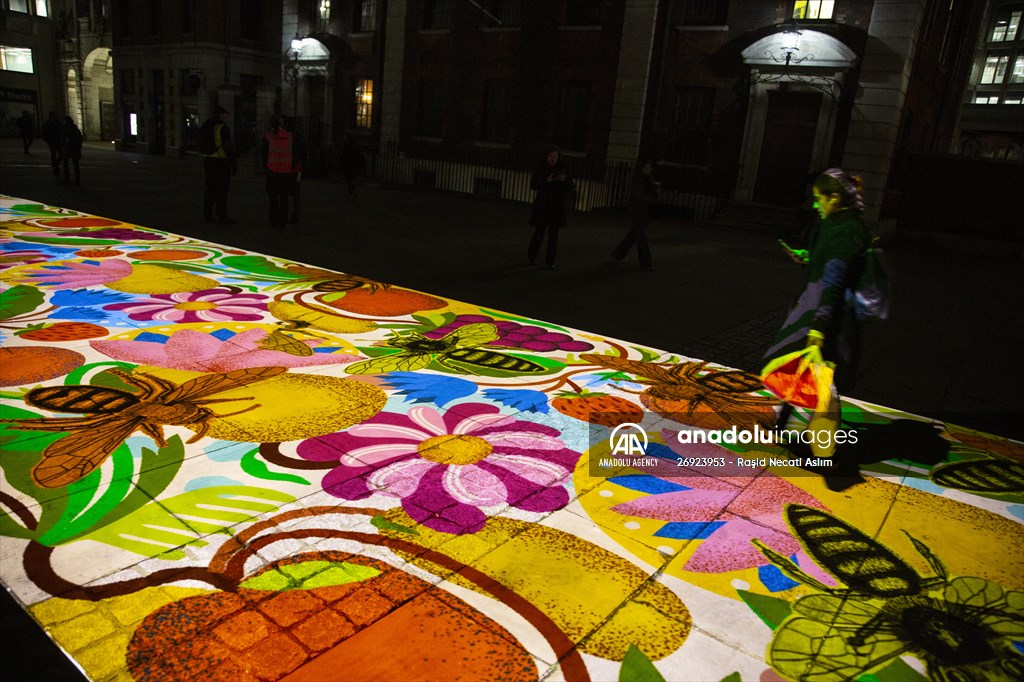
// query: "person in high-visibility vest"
[[279, 167], [218, 166]]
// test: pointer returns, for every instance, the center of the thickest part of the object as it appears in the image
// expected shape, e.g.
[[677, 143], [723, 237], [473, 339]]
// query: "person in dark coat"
[[27, 130], [352, 163], [71, 140], [643, 193], [552, 184], [50, 133], [824, 313]]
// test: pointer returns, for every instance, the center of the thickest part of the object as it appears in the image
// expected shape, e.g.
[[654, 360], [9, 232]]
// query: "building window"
[[437, 14], [573, 108], [497, 111], [16, 59], [506, 12], [188, 16], [431, 108], [128, 81], [365, 18], [691, 124], [813, 9], [705, 13], [41, 8], [1007, 24], [323, 16], [18, 6], [582, 12], [995, 69], [250, 21], [364, 104]]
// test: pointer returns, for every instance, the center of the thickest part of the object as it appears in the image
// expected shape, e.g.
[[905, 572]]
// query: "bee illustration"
[[328, 281], [461, 345], [689, 393], [962, 628], [983, 476], [301, 318], [114, 414]]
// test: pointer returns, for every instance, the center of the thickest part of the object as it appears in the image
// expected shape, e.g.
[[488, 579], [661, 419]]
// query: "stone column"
[[878, 110], [394, 57], [631, 80]]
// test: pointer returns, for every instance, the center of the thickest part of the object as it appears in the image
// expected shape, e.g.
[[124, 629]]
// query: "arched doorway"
[[100, 121], [74, 102], [791, 115]]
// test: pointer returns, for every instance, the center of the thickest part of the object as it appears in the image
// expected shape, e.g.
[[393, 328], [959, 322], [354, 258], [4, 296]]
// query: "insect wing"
[[280, 341], [649, 370], [807, 649], [209, 384], [83, 399], [76, 455], [471, 335], [399, 362]]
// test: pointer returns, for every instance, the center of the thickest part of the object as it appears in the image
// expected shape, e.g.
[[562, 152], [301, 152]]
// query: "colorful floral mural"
[[219, 464]]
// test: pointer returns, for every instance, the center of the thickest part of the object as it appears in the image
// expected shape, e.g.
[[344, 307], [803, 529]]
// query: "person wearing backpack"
[[218, 166], [825, 314]]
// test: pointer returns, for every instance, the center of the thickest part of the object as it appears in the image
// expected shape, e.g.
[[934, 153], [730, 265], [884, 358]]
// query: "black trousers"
[[279, 189], [218, 182], [73, 160], [54, 158], [638, 236], [538, 238]]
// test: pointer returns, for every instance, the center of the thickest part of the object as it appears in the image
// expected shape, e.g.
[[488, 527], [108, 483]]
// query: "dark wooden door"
[[789, 130]]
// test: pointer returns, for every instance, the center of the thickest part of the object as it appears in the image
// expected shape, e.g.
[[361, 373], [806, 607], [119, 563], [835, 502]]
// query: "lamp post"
[[291, 71]]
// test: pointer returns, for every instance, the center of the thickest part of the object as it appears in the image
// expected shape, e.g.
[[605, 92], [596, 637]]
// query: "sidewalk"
[[948, 351], [204, 489]]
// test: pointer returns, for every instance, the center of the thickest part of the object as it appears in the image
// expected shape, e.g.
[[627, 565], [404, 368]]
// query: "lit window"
[[365, 15], [1017, 75], [1007, 23], [995, 69], [41, 8], [18, 6], [985, 99], [813, 9], [16, 59], [133, 123], [323, 15], [1014, 99], [364, 104]]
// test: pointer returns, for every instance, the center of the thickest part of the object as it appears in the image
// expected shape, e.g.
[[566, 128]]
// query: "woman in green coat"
[[824, 313]]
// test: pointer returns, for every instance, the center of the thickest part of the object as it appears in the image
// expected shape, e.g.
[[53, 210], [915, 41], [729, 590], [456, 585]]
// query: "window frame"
[[817, 9], [685, 133], [363, 109], [572, 122]]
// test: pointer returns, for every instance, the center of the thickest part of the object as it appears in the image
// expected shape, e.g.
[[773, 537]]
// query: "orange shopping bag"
[[801, 378]]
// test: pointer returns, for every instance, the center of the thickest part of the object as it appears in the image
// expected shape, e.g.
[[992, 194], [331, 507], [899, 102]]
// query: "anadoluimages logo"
[[628, 439]]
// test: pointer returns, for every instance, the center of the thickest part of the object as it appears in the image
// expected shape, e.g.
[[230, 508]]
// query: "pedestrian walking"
[[27, 129], [50, 133], [219, 165], [552, 185], [71, 140], [279, 167], [643, 192], [352, 163], [824, 314]]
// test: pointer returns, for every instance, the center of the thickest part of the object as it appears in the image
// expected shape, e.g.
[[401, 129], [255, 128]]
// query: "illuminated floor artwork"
[[223, 465]]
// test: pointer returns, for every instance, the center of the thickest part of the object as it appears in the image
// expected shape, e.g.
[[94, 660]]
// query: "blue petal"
[[527, 401], [429, 388], [647, 484], [78, 313], [772, 578], [76, 297], [689, 530]]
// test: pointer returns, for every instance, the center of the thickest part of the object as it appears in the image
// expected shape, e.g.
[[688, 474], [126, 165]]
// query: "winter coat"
[[552, 195]]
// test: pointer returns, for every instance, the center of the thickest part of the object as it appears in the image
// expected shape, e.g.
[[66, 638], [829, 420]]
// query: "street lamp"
[[291, 71]]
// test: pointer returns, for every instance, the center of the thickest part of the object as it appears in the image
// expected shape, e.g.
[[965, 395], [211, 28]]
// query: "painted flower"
[[197, 351], [78, 274], [209, 305], [515, 335], [446, 468], [12, 257], [725, 512]]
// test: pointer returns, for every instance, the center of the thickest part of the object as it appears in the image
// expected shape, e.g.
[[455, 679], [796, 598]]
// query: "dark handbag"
[[872, 293]]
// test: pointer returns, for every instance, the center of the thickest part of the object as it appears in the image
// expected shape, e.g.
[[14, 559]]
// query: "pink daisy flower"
[[209, 305], [447, 467]]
